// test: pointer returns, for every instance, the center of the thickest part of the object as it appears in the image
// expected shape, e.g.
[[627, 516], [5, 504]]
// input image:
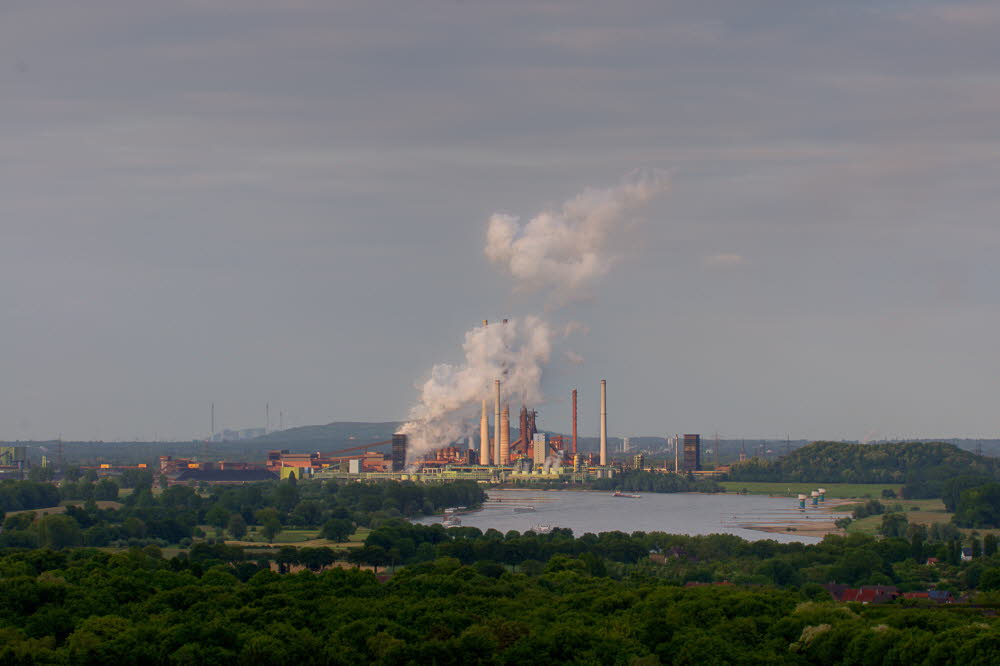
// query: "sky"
[[286, 203]]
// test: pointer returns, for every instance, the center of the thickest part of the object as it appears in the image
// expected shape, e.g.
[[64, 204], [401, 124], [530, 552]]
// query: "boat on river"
[[524, 509], [619, 493]]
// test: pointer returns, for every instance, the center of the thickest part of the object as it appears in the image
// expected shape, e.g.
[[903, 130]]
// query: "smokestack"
[[526, 432], [496, 424], [677, 455], [505, 436], [574, 422], [604, 422], [484, 437]]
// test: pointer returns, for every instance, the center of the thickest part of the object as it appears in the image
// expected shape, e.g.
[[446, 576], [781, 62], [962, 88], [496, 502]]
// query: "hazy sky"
[[244, 202]]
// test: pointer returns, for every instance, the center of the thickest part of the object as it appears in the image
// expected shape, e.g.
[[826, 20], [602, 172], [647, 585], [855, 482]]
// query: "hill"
[[332, 433], [922, 466]]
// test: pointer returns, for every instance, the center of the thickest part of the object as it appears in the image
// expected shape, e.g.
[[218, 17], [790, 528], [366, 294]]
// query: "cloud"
[[565, 251]]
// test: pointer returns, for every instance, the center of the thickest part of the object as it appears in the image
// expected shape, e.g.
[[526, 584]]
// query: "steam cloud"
[[567, 250], [514, 353], [563, 252]]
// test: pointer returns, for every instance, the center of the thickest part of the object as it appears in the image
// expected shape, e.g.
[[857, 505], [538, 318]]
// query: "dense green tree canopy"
[[924, 467]]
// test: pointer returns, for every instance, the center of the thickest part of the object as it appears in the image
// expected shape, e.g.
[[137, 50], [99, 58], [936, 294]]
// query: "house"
[[866, 594]]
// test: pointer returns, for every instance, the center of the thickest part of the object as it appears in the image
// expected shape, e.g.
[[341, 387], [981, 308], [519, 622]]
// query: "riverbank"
[[817, 521]]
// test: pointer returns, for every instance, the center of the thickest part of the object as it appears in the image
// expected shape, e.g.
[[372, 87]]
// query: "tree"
[[134, 527], [337, 529], [315, 558], [217, 516], [270, 529], [265, 514], [58, 531], [307, 512], [844, 522], [990, 580], [286, 495], [286, 557], [976, 545], [106, 489], [917, 534], [979, 507], [237, 526], [989, 545], [894, 525]]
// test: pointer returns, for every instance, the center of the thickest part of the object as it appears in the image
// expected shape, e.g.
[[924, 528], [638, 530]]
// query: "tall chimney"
[[604, 422], [574, 422], [484, 437], [496, 424], [505, 436], [526, 432]]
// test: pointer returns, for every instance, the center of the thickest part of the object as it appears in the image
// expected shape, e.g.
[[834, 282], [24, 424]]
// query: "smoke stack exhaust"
[[484, 437], [604, 422], [496, 424]]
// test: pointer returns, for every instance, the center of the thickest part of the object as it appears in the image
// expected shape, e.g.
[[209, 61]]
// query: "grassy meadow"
[[833, 490]]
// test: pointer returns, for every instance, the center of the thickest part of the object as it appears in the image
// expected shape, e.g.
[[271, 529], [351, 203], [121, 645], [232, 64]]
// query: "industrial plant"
[[497, 456]]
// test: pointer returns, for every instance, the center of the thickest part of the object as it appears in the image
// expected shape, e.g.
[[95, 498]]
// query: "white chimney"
[[604, 422]]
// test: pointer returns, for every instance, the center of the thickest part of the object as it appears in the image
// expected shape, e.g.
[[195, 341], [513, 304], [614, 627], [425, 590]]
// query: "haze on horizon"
[[248, 203]]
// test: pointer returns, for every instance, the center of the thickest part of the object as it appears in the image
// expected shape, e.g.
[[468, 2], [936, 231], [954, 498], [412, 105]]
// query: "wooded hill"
[[909, 463]]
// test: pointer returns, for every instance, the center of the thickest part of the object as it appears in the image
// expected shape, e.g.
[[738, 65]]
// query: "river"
[[676, 513]]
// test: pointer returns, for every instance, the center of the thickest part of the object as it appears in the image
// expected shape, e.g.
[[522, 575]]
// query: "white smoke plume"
[[567, 250], [514, 353], [562, 251]]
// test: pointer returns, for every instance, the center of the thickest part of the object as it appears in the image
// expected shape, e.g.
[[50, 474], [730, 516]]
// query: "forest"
[[141, 578], [652, 482], [87, 606], [178, 514]]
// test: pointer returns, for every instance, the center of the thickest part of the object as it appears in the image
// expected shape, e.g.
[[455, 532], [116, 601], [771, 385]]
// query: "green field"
[[302, 538], [833, 490]]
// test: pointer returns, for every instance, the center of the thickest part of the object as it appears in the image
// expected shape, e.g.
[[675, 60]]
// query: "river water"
[[676, 513]]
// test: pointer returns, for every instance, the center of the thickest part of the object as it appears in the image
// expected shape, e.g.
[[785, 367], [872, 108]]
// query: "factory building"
[[541, 448], [398, 452], [13, 461], [692, 453]]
